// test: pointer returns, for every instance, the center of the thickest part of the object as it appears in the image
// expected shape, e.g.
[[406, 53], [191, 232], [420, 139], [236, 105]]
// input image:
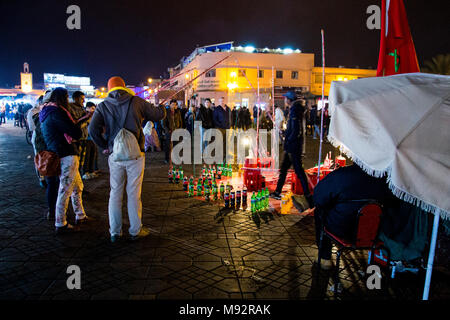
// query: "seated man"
[[336, 202]]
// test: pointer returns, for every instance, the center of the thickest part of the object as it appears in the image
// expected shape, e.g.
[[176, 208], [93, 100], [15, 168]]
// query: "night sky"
[[141, 39]]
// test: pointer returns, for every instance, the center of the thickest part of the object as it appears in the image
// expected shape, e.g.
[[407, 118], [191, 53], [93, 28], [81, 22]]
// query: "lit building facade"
[[336, 74], [237, 78], [71, 83]]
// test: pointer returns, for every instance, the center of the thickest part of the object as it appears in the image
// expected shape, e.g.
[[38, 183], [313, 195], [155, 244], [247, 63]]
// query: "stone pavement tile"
[[155, 286], [229, 285], [174, 293], [271, 293], [12, 294], [211, 293], [110, 294], [12, 254]]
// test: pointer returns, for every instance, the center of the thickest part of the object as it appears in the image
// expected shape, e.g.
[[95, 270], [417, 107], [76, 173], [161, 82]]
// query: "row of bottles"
[[215, 172], [260, 200], [176, 175]]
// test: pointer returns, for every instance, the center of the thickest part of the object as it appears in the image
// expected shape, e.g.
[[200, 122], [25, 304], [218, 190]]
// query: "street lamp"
[[149, 80]]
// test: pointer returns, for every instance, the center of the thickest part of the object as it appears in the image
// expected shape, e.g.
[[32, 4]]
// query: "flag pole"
[[323, 105]]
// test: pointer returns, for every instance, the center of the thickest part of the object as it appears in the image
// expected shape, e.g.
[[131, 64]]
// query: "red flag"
[[397, 52]]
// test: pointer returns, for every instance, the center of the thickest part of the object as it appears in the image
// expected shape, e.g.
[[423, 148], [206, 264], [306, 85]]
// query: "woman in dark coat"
[[60, 130]]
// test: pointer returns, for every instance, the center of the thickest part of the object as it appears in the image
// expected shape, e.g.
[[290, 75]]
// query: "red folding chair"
[[366, 233]]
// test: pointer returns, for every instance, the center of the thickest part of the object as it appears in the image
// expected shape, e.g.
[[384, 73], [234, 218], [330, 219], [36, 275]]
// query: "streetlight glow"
[[149, 80]]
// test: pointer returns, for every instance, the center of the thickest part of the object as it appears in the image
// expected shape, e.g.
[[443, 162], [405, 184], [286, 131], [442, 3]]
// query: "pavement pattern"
[[195, 250]]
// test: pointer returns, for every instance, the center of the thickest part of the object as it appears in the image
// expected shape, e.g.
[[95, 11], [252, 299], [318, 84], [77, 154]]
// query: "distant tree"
[[438, 65]]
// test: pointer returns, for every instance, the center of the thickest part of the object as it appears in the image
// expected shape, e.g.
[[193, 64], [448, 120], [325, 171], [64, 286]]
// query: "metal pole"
[[434, 234], [257, 121], [323, 98]]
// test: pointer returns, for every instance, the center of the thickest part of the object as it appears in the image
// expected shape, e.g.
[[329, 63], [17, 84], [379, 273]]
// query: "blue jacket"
[[54, 123], [294, 132], [222, 117]]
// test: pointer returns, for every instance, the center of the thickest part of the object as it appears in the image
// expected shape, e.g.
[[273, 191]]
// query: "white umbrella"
[[399, 126]]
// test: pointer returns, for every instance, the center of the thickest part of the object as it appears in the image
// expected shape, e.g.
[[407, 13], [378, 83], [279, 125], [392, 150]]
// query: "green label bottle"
[[253, 207]]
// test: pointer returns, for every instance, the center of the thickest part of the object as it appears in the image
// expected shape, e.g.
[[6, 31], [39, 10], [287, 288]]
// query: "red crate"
[[296, 186], [252, 179]]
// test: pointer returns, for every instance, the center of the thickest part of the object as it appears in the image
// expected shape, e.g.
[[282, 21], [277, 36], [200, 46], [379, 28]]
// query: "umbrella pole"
[[323, 105], [431, 254]]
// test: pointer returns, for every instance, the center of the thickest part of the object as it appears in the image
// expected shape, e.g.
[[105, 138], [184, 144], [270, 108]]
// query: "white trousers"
[[70, 185], [134, 170]]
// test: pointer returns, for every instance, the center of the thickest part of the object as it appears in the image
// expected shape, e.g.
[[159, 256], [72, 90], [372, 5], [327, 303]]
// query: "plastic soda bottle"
[[170, 175], [191, 190], [177, 177], [244, 198], [284, 208], [227, 199], [199, 188], [214, 192], [258, 201], [181, 172], [253, 203], [222, 190], [185, 184], [207, 193], [232, 199], [238, 199]]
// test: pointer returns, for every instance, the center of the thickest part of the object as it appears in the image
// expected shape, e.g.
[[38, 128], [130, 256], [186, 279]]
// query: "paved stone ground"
[[186, 255]]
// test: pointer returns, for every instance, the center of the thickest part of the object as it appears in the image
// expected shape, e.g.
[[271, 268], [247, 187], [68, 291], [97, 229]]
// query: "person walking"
[[60, 130], [293, 146], [123, 110]]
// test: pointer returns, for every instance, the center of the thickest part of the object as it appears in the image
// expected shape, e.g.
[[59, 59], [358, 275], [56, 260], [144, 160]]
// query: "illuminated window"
[[318, 78], [294, 75], [261, 74], [279, 74], [241, 72], [211, 73]]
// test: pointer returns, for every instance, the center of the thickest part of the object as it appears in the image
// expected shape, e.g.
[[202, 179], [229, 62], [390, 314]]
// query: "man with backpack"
[[122, 115]]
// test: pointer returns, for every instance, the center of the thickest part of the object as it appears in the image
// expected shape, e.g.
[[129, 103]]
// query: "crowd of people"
[[75, 132], [14, 111]]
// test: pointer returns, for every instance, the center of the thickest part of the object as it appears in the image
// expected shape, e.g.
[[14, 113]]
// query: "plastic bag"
[[126, 146]]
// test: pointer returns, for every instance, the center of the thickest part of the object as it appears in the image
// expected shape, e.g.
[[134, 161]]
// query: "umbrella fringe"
[[399, 193], [407, 197], [374, 173]]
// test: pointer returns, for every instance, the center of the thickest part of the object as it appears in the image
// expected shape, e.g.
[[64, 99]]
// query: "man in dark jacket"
[[171, 122], [293, 146], [222, 119], [77, 110], [121, 109], [337, 199], [205, 115]]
